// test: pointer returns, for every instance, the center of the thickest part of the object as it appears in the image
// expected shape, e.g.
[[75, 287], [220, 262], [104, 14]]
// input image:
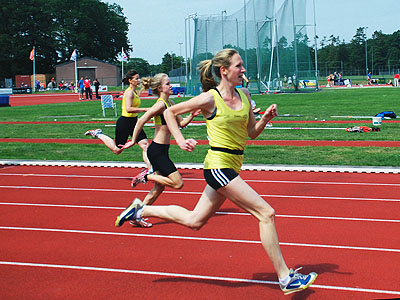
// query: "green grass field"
[[319, 105]]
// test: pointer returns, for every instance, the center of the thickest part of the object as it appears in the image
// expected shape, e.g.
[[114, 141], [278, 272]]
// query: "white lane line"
[[218, 212], [195, 193], [196, 238], [192, 276], [202, 179]]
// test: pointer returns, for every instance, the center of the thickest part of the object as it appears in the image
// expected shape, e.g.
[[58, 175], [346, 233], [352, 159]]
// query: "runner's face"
[[166, 86], [135, 81], [236, 70]]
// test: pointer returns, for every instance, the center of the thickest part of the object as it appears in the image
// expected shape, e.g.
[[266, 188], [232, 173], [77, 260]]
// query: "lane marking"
[[196, 238], [192, 276], [218, 212], [197, 193], [202, 179]]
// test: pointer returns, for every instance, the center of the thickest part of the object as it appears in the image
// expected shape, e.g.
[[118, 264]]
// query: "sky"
[[158, 26]]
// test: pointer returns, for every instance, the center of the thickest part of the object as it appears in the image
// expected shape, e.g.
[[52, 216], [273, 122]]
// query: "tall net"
[[265, 39]]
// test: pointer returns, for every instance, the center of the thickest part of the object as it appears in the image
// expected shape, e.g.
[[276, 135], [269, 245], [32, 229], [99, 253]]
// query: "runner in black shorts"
[[217, 178], [126, 123], [165, 172], [230, 120]]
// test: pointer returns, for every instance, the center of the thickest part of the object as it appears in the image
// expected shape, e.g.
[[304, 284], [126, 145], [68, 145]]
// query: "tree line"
[[55, 28], [380, 54]]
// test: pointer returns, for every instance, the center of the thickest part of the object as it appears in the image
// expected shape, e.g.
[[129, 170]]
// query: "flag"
[[74, 55], [122, 55], [32, 55]]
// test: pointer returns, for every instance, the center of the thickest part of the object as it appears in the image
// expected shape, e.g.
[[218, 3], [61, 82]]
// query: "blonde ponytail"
[[207, 67], [206, 75]]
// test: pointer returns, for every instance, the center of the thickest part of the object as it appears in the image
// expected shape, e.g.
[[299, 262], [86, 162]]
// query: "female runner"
[[229, 121]]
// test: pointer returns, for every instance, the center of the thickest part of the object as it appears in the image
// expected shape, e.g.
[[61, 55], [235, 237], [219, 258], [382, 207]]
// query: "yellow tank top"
[[135, 103], [228, 129], [159, 119]]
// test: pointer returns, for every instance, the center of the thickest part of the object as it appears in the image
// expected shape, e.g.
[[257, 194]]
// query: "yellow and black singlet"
[[159, 119], [135, 103], [227, 132]]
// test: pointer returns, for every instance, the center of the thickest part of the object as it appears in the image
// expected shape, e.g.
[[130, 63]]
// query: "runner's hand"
[[127, 145], [187, 145]]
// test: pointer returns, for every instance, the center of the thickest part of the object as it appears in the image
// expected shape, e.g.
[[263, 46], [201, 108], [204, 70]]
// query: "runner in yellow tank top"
[[227, 129], [165, 172], [125, 124], [223, 180], [135, 102]]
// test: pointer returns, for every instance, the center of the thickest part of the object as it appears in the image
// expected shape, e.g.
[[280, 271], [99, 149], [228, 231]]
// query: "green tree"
[[94, 28], [171, 62], [141, 65]]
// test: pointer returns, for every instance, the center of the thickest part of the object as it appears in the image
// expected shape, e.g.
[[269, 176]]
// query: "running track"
[[59, 241]]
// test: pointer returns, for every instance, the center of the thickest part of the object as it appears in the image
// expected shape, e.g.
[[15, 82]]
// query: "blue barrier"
[[4, 100]]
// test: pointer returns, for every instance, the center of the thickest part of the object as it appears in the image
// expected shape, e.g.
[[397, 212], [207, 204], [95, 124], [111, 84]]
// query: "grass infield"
[[312, 106]]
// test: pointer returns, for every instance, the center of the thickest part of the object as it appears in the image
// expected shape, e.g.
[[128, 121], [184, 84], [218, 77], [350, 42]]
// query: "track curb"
[[245, 167]]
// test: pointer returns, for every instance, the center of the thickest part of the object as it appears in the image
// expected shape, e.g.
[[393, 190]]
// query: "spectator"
[[396, 80], [81, 88], [369, 78], [88, 91], [96, 84]]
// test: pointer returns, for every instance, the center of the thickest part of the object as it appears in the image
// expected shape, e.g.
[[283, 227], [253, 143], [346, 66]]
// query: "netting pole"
[[222, 26], [207, 38], [296, 80], [245, 35], [257, 49], [316, 49], [186, 59], [272, 59]]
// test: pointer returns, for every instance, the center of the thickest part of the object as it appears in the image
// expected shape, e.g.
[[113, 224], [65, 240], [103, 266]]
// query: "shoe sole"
[[137, 224], [302, 288], [123, 216]]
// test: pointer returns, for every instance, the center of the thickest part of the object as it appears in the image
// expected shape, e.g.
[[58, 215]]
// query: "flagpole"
[[122, 74], [34, 71], [76, 78]]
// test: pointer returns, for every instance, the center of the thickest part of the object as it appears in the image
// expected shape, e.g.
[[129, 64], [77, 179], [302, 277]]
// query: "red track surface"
[[59, 242]]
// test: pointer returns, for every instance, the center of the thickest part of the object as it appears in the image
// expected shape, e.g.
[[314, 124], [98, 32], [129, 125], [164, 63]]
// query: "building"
[[107, 73]]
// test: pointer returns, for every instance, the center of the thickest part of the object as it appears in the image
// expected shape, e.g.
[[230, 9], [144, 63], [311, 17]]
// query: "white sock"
[[285, 280], [139, 213]]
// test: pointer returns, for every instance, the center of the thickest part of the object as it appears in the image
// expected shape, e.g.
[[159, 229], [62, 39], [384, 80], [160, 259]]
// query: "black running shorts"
[[217, 178], [124, 129], [159, 159]]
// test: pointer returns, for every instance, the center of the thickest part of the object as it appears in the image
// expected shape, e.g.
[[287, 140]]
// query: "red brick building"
[[107, 73]]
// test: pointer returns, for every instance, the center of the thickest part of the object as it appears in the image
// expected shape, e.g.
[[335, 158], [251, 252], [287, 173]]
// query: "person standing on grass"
[[164, 171], [126, 123], [229, 121]]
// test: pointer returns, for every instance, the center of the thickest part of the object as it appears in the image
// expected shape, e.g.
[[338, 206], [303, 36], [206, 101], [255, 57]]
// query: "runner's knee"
[[267, 215]]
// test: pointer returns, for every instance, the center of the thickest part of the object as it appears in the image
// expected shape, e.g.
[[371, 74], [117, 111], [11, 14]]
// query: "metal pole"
[[366, 58], [296, 87], [222, 26], [34, 70], [316, 50], [186, 58], [245, 35], [257, 49], [207, 38], [180, 57]]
